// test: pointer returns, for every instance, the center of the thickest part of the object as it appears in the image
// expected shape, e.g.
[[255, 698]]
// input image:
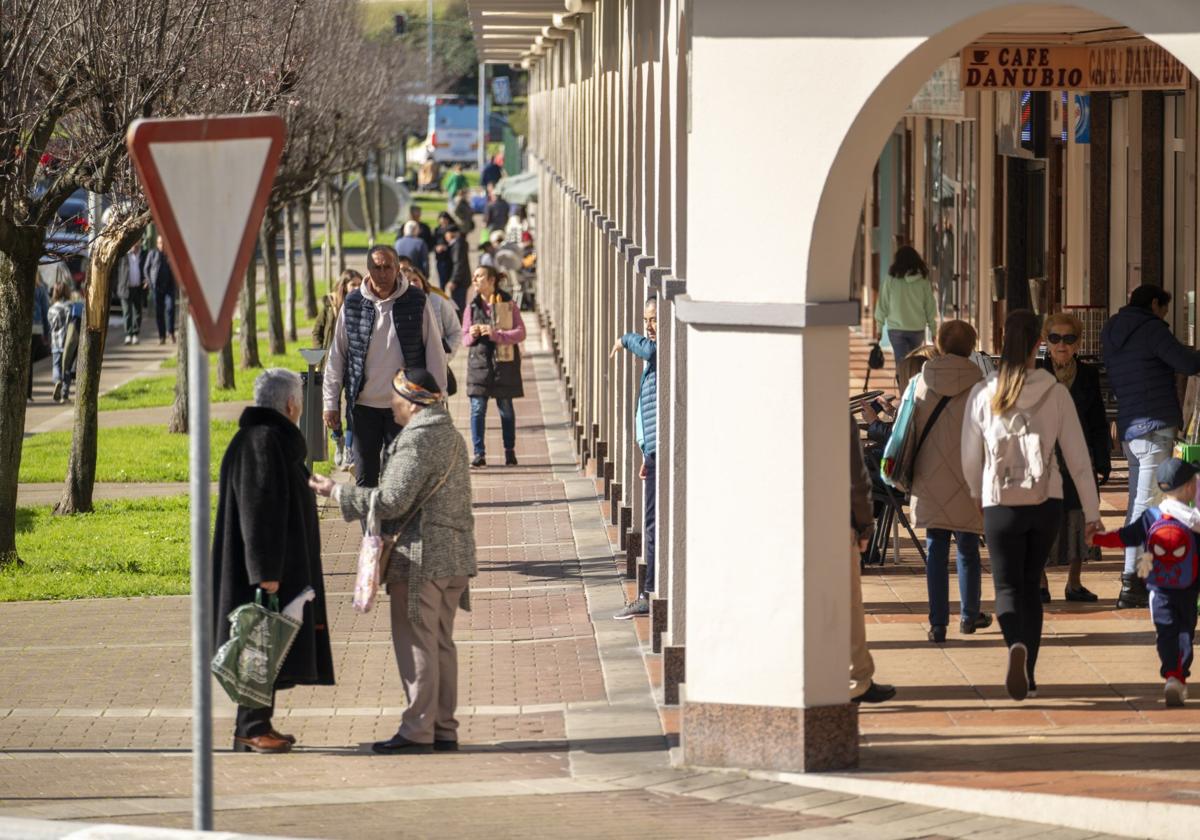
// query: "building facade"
[[752, 166]]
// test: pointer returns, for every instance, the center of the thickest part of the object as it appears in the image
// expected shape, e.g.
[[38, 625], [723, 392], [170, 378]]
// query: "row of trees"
[[75, 73]]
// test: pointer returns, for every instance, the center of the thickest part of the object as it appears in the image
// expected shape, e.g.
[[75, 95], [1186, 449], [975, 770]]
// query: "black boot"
[[1133, 593]]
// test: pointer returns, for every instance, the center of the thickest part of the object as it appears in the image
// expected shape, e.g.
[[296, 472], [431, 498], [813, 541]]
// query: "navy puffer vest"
[[408, 314], [487, 377]]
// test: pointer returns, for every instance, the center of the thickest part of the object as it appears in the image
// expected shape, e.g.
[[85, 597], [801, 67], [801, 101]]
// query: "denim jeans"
[[508, 423], [937, 574], [904, 342], [1144, 455]]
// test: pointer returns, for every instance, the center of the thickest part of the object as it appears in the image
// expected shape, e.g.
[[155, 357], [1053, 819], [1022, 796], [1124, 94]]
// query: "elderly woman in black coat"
[[267, 537], [1062, 332]]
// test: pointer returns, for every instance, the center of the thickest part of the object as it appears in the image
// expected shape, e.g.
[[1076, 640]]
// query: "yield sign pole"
[[207, 180]]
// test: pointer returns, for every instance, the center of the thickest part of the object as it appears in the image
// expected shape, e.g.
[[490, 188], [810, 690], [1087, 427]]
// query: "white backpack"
[[1015, 448]]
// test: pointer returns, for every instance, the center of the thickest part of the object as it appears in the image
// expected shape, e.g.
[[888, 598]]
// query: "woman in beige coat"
[[941, 500]]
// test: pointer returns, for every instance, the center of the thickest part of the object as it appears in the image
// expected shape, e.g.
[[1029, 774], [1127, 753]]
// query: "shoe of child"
[[1017, 679], [1175, 692]]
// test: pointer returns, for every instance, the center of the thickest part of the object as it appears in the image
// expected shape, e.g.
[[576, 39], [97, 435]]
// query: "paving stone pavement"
[[562, 735]]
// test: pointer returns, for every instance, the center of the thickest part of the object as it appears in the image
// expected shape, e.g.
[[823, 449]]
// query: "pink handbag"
[[372, 561]]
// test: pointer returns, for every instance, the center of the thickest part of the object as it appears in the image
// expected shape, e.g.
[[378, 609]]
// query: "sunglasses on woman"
[[1068, 338]]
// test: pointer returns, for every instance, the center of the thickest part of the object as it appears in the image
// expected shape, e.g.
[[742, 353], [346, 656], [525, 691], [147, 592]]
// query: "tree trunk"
[[338, 228], [289, 267], [107, 248], [18, 265], [248, 332], [269, 238], [178, 424], [364, 194], [327, 245], [306, 249], [377, 193], [225, 378]]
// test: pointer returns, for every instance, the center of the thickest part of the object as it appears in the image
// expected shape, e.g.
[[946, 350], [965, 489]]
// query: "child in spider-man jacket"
[[1169, 567]]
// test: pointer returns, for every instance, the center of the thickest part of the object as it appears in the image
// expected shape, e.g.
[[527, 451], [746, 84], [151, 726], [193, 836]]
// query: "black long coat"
[[1089, 405], [267, 529]]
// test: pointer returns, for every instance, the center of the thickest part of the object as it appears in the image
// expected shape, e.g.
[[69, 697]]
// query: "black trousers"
[[254, 722], [648, 521], [374, 429], [164, 311], [1174, 614], [1019, 540]]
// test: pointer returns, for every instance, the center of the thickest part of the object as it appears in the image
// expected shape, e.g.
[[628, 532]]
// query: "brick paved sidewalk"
[[562, 736]]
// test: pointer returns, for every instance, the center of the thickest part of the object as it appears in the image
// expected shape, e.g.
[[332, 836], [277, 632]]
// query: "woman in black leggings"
[[1015, 418]]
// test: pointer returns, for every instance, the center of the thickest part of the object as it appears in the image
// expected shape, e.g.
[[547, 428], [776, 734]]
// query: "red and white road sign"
[[207, 180]]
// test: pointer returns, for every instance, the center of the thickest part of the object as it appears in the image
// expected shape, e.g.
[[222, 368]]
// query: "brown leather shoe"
[[268, 743], [291, 739]]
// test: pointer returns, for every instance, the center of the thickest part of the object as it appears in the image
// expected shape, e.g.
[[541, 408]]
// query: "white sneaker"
[[129, 339], [1175, 692], [136, 340]]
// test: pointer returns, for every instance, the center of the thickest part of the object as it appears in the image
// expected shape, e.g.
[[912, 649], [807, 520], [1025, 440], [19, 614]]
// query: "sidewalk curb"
[[1128, 817]]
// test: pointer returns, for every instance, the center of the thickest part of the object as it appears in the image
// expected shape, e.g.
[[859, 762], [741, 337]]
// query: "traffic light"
[[400, 24]]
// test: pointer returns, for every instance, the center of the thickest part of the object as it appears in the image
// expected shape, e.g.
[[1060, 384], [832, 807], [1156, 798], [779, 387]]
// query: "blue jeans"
[[508, 423], [937, 574], [1144, 455], [904, 342]]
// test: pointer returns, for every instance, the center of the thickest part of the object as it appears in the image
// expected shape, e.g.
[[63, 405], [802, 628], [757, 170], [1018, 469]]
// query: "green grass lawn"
[[128, 454], [155, 391], [123, 548], [430, 203], [125, 453]]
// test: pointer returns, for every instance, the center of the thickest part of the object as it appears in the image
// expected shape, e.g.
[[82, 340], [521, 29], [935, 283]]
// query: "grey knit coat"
[[434, 530]]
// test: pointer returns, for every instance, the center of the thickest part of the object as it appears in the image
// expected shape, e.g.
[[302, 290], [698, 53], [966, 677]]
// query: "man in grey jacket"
[[863, 689], [424, 502]]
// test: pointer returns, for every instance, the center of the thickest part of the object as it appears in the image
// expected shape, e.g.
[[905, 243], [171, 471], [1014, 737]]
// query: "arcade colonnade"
[[715, 155]]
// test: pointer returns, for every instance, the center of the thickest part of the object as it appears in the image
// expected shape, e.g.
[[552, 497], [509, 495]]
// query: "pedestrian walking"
[[131, 289], [447, 315], [423, 231], [39, 342], [322, 337], [456, 182], [413, 247], [1062, 332], [464, 214], [645, 427], [1169, 567], [460, 267], [491, 174], [1142, 358], [906, 307], [863, 688], [385, 325], [424, 503], [495, 216], [161, 278], [941, 499], [441, 251], [60, 321], [1014, 420], [268, 537], [492, 327]]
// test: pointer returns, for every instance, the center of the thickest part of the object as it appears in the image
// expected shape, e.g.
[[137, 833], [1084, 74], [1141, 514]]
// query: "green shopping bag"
[[247, 665]]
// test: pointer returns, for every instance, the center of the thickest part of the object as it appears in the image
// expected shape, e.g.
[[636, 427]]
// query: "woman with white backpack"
[[1014, 420]]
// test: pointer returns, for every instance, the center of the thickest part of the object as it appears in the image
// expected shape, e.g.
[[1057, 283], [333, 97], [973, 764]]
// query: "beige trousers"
[[862, 667], [427, 659]]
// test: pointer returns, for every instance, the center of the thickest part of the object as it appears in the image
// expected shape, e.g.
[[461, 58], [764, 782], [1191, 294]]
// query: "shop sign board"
[[1135, 65]]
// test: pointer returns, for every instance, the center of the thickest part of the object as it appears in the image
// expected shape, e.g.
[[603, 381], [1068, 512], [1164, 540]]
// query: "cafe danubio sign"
[[1139, 65]]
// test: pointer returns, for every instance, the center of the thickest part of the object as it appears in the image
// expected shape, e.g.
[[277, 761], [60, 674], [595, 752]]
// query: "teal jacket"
[[646, 420], [906, 303]]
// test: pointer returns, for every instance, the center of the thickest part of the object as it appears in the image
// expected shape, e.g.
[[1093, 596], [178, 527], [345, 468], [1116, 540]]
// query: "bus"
[[453, 134]]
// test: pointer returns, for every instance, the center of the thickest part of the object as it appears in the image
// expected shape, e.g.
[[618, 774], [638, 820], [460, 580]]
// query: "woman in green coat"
[[906, 305]]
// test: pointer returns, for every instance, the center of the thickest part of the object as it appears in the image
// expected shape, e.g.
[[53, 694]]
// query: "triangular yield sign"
[[207, 180]]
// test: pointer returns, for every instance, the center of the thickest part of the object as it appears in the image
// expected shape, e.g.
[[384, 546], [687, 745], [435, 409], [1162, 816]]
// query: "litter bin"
[[312, 421]]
